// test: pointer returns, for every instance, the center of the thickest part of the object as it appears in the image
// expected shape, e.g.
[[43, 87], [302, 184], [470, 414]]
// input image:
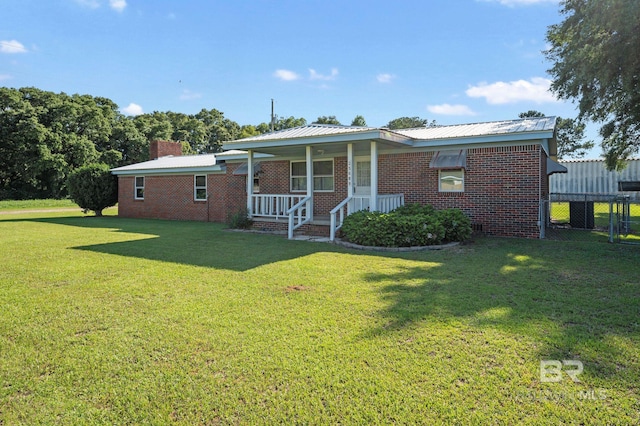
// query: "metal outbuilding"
[[592, 177]]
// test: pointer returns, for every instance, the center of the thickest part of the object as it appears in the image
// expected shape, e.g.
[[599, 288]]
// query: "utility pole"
[[273, 117]]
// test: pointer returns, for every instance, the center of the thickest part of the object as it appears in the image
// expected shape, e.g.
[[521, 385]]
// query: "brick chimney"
[[159, 149]]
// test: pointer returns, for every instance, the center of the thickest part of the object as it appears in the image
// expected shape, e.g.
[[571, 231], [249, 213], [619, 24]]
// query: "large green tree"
[[47, 135], [22, 139], [570, 136], [359, 120], [331, 119], [218, 129], [595, 52], [281, 123], [409, 123]]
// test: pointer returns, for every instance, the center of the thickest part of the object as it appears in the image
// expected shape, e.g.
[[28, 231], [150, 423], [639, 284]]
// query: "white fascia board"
[[218, 168], [440, 146], [243, 157], [472, 142]]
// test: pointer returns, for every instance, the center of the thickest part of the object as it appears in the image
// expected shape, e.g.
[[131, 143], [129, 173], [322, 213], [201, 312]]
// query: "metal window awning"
[[243, 168], [449, 159], [554, 167]]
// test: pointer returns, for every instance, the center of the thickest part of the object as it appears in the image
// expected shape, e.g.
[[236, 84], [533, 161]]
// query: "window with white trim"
[[139, 188], [451, 180], [200, 187], [322, 176]]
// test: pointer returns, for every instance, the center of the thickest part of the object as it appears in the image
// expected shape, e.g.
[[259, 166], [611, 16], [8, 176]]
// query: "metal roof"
[[327, 136], [310, 130], [171, 162], [185, 163], [524, 125]]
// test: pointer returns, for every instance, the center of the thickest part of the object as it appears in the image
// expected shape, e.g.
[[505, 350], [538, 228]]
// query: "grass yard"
[[112, 321], [35, 204]]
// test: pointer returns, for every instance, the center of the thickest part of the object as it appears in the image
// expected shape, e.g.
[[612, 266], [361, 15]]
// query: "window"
[[298, 176], [451, 180], [363, 173], [139, 188], [200, 188], [322, 175]]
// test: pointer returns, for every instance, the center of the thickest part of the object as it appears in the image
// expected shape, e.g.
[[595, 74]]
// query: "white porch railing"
[[273, 205], [335, 224], [386, 203], [299, 214]]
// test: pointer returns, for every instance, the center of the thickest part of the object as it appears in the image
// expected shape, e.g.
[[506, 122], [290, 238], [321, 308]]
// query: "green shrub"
[[457, 226], [240, 219], [408, 226], [93, 187]]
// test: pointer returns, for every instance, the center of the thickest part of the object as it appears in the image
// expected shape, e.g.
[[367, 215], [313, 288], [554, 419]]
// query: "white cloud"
[[512, 3], [385, 78], [133, 109], [188, 95], [4, 77], [286, 75], [118, 5], [313, 75], [12, 46], [499, 93], [447, 109]]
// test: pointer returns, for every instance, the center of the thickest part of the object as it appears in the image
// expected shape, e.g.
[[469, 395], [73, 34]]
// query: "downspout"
[[541, 217], [250, 182]]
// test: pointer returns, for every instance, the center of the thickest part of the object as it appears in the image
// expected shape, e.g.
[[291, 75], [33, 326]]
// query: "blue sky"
[[453, 61]]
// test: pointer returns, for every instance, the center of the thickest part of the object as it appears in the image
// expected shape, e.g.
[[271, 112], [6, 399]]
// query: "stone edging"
[[346, 244], [395, 249]]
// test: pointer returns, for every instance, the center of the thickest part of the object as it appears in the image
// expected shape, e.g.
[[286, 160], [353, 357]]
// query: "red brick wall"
[[501, 188], [217, 191], [165, 197]]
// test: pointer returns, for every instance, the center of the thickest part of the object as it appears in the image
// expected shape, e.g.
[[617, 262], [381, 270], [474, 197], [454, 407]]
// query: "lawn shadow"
[[202, 244], [551, 296]]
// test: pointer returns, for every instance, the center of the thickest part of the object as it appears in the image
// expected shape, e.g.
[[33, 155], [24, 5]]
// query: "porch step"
[[312, 238]]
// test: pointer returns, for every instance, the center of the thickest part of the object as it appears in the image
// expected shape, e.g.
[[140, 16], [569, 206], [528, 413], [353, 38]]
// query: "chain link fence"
[[590, 217]]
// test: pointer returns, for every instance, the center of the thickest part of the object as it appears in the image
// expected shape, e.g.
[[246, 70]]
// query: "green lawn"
[[113, 321], [35, 204]]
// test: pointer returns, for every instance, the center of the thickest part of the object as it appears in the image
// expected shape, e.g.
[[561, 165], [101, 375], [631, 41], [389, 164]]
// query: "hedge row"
[[407, 226]]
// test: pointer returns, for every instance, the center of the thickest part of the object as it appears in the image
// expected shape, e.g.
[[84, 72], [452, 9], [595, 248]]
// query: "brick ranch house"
[[310, 178]]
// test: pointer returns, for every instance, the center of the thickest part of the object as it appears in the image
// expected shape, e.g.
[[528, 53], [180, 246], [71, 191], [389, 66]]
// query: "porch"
[[313, 175], [296, 210]]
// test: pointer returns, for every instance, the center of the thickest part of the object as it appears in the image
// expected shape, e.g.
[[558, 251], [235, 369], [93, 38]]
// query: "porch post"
[[350, 170], [350, 176], [374, 176], [310, 181], [250, 182]]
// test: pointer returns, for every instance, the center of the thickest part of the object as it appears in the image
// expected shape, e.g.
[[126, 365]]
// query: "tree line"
[[46, 136]]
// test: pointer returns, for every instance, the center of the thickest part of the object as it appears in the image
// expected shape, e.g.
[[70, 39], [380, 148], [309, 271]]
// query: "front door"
[[362, 187], [363, 177]]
